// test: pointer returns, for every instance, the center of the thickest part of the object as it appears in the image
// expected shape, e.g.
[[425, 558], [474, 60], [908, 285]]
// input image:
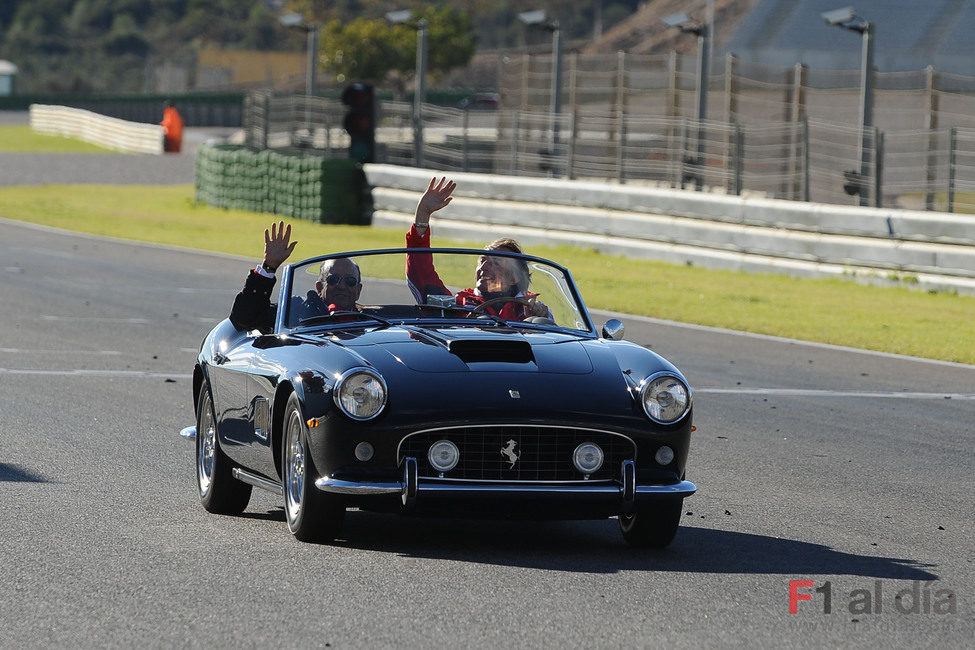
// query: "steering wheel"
[[501, 301]]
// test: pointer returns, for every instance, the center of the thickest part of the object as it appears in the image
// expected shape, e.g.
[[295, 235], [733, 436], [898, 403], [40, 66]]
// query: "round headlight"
[[665, 399], [443, 455], [587, 457], [360, 393]]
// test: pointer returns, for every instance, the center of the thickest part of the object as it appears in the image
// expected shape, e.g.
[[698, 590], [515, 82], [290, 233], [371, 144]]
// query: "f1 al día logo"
[[915, 598]]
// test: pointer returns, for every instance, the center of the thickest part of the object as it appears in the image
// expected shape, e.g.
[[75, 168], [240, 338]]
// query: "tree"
[[360, 50], [369, 49], [451, 42]]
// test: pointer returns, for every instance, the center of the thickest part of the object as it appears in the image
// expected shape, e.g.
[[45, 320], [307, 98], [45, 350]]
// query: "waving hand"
[[437, 196]]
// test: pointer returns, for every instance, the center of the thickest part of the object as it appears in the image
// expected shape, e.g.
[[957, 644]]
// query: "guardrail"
[[197, 108], [108, 132], [921, 249]]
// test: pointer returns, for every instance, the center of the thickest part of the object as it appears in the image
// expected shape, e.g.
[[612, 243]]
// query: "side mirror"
[[613, 329]]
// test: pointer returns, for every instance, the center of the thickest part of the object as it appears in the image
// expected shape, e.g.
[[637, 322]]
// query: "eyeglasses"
[[350, 280]]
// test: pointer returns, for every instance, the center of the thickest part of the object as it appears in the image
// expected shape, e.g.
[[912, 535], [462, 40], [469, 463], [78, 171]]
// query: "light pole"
[[847, 19], [311, 30], [538, 19], [297, 21], [683, 22], [420, 82]]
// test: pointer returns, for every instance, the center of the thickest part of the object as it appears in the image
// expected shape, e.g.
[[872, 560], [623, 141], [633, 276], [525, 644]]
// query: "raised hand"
[[278, 245], [437, 196], [536, 307]]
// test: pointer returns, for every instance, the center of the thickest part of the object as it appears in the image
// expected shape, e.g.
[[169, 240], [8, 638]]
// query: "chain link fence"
[[787, 132], [294, 122]]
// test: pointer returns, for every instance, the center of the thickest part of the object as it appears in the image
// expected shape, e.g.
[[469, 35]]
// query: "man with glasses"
[[337, 289]]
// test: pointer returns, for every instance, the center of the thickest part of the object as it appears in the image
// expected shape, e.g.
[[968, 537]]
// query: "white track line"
[[60, 352], [127, 374], [96, 319], [213, 320], [809, 392]]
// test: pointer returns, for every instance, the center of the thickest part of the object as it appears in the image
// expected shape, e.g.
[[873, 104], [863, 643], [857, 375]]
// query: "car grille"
[[544, 453]]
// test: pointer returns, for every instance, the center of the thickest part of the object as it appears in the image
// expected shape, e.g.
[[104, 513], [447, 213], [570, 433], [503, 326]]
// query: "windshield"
[[430, 285]]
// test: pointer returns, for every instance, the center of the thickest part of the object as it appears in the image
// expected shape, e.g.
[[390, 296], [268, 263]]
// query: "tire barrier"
[[108, 132], [296, 185]]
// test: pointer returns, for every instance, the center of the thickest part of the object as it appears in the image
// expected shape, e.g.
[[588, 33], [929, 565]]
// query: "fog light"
[[363, 451], [443, 455], [664, 455], [587, 457]]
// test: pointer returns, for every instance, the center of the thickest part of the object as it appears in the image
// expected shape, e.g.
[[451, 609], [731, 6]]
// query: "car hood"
[[515, 374], [457, 349]]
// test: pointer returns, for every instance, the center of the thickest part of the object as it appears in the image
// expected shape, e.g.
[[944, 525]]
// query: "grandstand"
[[910, 35]]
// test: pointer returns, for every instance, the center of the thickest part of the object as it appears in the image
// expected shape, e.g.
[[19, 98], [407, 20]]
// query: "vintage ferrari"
[[440, 400]]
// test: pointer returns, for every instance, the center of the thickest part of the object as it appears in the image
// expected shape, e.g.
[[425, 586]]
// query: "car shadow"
[[598, 547], [14, 474], [276, 514]]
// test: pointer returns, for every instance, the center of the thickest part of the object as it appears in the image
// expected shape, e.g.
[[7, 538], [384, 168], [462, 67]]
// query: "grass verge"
[[17, 138], [837, 311]]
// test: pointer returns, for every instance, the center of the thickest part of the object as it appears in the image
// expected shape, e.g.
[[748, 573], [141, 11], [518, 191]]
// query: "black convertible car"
[[420, 402]]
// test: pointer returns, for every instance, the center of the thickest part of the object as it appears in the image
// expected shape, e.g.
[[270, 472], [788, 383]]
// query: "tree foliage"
[[369, 49], [106, 45], [112, 45]]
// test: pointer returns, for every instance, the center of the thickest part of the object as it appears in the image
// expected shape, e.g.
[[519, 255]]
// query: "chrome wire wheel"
[[294, 469], [206, 441], [220, 492], [312, 515]]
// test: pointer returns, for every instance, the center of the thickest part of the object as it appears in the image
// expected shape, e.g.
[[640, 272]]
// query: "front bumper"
[[618, 497]]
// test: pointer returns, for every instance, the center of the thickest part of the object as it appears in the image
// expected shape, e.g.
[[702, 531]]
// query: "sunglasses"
[[332, 279]]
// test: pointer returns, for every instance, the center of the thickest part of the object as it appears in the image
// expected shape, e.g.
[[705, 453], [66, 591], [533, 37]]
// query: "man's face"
[[494, 274], [341, 286]]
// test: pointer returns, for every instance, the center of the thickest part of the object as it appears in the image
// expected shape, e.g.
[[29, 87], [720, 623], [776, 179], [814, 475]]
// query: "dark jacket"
[[253, 309]]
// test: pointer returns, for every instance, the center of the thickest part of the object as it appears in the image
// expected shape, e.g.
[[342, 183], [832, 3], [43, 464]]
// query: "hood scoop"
[[491, 351]]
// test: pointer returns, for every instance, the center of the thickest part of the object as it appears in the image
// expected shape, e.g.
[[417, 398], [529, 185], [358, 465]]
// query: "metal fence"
[[738, 91], [294, 122], [804, 159]]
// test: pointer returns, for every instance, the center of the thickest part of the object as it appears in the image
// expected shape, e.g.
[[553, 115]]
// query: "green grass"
[[20, 139], [838, 311]]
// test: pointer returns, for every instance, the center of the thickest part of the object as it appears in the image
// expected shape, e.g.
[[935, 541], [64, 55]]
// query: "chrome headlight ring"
[[360, 393], [665, 398]]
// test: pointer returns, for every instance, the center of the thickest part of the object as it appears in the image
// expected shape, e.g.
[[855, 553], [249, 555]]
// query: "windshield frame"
[[287, 281]]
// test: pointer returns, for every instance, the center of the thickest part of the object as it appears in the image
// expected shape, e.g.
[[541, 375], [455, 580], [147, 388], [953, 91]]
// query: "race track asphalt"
[[104, 168], [812, 463]]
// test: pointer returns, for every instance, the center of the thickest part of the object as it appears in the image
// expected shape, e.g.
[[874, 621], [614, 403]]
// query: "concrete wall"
[[923, 249], [108, 132]]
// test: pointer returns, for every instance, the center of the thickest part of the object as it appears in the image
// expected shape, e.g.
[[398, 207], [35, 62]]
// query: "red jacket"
[[423, 280]]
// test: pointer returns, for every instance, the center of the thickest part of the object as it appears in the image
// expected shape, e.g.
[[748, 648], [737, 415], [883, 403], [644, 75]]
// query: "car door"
[[236, 406]]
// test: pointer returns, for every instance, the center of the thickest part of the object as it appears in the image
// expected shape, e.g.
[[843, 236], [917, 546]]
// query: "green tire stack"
[[297, 185]]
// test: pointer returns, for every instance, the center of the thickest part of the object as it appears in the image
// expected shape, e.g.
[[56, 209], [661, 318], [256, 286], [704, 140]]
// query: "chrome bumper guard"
[[410, 488]]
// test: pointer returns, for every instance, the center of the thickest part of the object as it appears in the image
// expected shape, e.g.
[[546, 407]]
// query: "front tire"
[[220, 492], [312, 515], [653, 527]]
